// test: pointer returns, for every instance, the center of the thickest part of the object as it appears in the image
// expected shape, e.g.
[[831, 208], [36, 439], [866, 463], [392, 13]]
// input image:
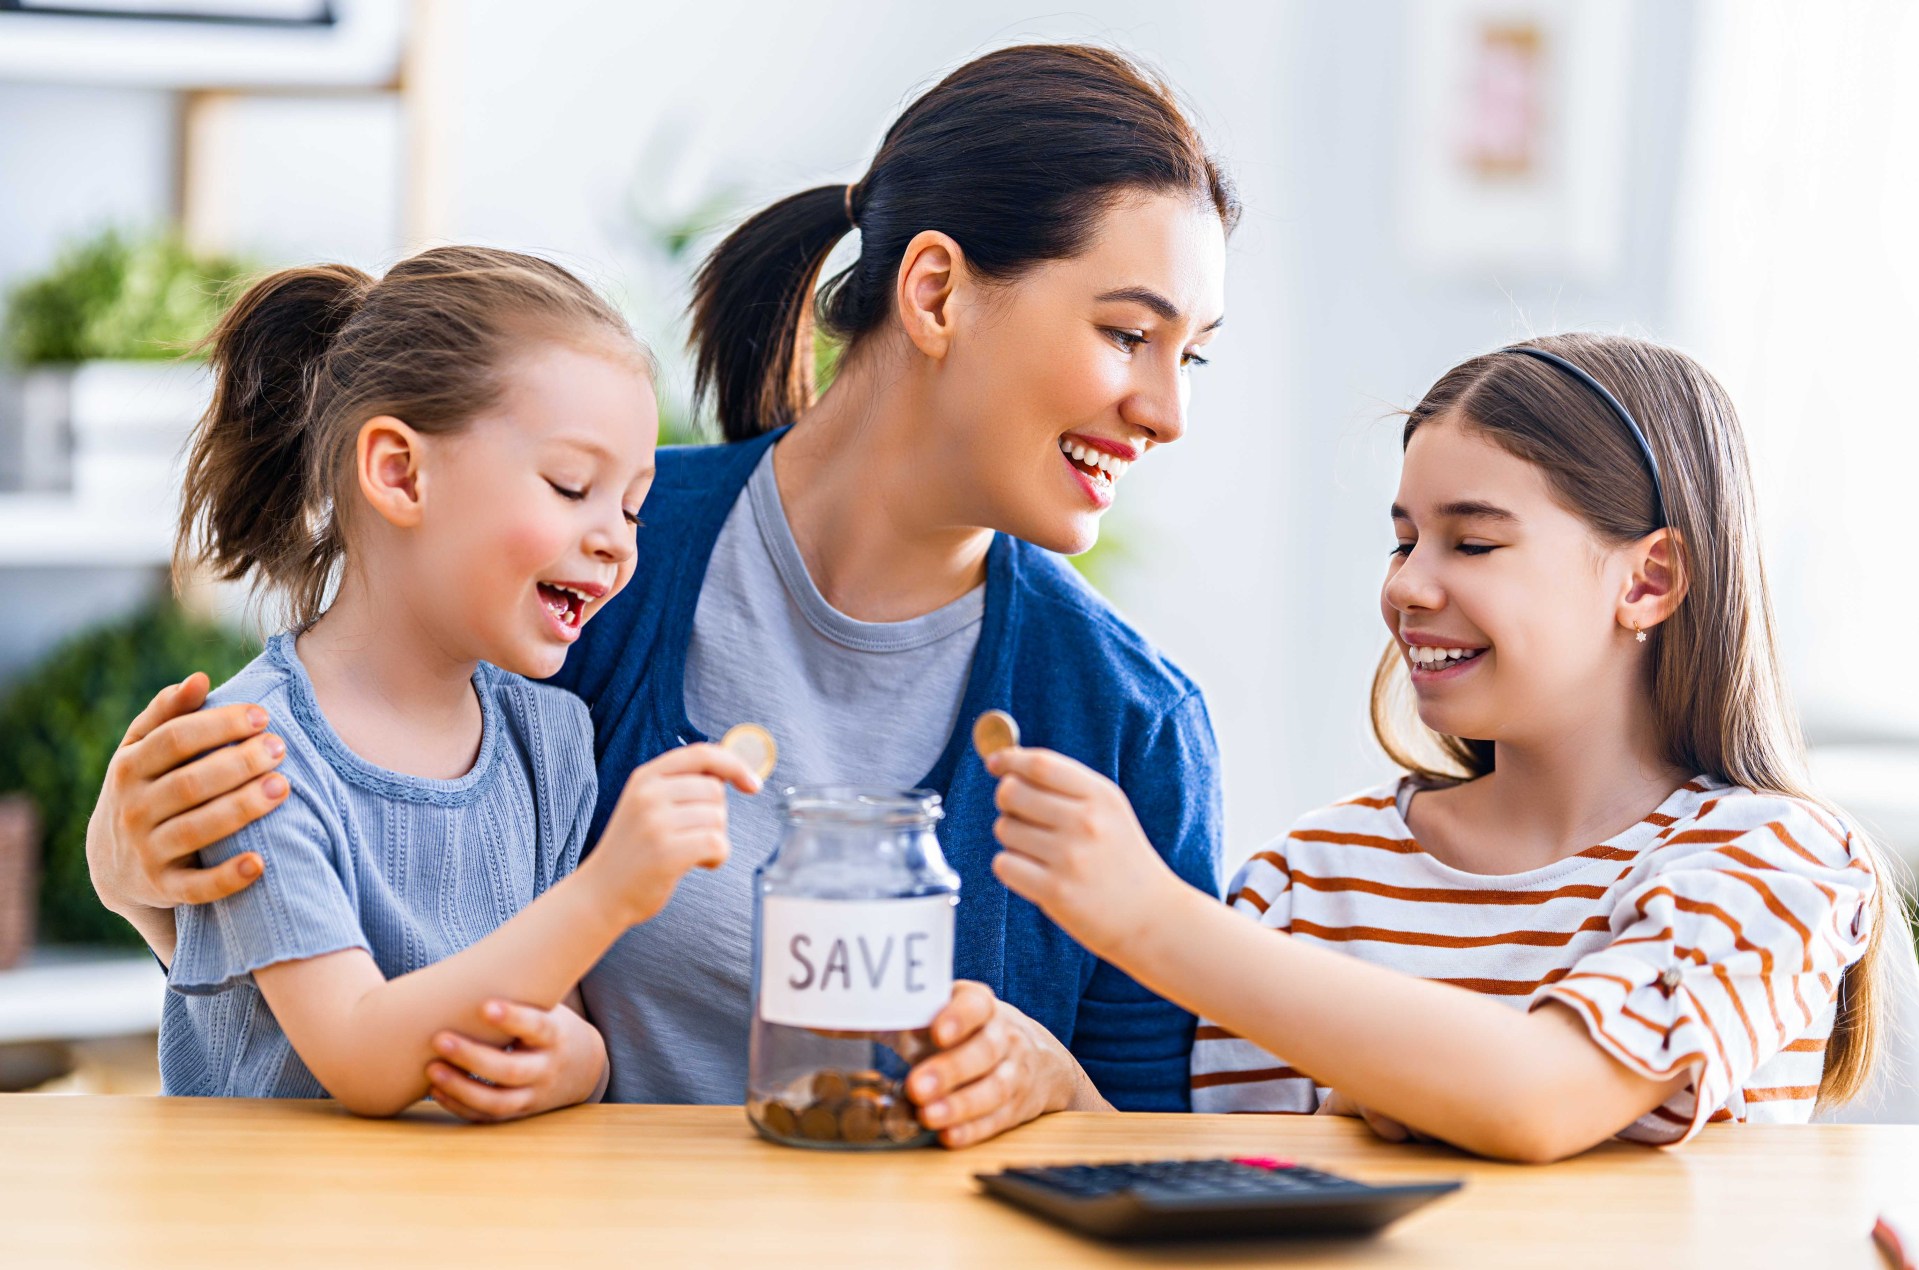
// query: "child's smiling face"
[[529, 512], [1505, 604]]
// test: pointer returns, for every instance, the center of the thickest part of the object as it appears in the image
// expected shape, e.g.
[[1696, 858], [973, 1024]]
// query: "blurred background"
[[1423, 180]]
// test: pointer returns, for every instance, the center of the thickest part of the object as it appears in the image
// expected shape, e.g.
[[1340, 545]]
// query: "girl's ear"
[[932, 270], [1658, 580], [387, 462]]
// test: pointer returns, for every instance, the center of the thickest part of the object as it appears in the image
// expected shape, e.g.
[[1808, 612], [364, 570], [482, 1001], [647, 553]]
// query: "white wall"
[[1255, 545], [73, 160], [1371, 333], [554, 125]]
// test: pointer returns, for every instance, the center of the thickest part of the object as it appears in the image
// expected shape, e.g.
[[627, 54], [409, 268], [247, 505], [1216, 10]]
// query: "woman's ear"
[[1659, 580], [932, 270], [387, 459]]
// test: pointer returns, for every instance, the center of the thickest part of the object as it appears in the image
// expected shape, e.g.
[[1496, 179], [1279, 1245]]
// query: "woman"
[[1041, 258]]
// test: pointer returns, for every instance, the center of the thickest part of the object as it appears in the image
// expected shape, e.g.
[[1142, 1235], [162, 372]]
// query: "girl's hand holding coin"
[[671, 817], [1075, 848]]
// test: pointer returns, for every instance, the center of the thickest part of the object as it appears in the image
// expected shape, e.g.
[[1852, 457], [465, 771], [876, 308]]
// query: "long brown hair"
[[307, 355], [1016, 155], [1719, 700]]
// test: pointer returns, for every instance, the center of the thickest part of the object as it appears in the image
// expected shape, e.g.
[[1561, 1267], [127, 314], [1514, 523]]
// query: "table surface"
[[132, 1182]]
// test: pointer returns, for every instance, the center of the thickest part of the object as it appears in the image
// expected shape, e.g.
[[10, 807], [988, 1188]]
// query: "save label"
[[855, 964]]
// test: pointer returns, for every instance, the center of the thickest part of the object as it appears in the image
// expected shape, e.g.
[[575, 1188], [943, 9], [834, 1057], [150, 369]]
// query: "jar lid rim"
[[861, 804]]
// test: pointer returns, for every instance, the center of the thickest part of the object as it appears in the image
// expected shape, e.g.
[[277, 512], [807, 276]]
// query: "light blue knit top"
[[412, 870]]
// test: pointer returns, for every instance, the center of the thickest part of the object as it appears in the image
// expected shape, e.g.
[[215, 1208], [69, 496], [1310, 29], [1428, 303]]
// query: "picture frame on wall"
[[269, 12], [1513, 138], [195, 44]]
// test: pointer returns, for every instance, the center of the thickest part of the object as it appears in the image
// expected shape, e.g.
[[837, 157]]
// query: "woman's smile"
[[1097, 464]]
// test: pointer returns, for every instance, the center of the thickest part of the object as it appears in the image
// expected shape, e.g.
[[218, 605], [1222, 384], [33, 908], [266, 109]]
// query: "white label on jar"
[[856, 964]]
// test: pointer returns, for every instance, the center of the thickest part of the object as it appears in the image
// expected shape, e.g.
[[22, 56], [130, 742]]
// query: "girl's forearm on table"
[[1440, 1058], [369, 1040]]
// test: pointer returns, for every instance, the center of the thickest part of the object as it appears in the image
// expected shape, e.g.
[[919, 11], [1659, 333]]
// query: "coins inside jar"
[[859, 1108], [994, 731], [752, 745]]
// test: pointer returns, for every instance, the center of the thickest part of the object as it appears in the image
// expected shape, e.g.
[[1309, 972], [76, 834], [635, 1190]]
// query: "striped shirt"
[[1709, 937]]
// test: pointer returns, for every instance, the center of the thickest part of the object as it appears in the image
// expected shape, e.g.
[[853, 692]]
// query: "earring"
[[1637, 633]]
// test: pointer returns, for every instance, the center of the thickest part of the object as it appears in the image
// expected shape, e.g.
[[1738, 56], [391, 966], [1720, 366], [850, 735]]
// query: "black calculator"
[[1189, 1199]]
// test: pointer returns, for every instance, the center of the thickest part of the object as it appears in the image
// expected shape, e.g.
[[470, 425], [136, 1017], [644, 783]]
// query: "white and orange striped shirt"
[[1710, 936]]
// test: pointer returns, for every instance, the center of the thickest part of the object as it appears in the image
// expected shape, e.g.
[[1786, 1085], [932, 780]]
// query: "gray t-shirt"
[[849, 702], [410, 869]]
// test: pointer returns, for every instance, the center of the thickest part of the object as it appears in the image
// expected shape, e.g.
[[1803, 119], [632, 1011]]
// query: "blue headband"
[[1625, 417]]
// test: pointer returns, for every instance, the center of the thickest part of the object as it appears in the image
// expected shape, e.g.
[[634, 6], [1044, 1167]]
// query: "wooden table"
[[132, 1182]]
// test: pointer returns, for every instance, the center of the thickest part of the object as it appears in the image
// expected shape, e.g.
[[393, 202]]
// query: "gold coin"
[[820, 1123], [900, 1124], [753, 746], [779, 1118], [860, 1122], [994, 731]]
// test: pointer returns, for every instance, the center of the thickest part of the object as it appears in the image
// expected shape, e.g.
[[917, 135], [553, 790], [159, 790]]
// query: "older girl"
[[1606, 903]]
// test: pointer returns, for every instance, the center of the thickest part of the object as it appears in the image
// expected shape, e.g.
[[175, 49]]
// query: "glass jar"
[[852, 959]]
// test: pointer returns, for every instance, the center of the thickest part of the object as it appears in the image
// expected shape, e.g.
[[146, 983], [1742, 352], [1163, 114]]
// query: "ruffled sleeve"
[[299, 907], [1731, 946]]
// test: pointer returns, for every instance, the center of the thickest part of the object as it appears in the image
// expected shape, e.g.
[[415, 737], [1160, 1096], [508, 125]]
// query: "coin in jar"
[[899, 1123], [860, 1121], [820, 1123], [830, 1086], [779, 1119]]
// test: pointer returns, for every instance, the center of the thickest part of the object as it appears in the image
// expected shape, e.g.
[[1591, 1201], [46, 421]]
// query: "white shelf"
[[81, 1000], [60, 531], [360, 48]]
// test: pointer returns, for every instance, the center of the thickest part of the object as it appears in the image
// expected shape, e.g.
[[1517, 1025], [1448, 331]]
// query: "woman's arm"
[[182, 779], [1438, 1058]]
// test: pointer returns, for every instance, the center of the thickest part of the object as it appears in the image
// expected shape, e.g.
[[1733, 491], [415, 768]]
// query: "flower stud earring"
[[1637, 633]]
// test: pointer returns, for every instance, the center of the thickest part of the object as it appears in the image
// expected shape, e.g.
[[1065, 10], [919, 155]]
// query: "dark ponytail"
[[308, 355], [1016, 155], [248, 495]]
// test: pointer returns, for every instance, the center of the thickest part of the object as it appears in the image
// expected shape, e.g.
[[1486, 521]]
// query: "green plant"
[[118, 296], [59, 726]]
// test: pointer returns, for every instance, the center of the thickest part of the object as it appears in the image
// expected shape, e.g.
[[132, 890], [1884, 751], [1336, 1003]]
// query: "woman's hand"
[[996, 1070], [182, 779], [1075, 848], [554, 1059]]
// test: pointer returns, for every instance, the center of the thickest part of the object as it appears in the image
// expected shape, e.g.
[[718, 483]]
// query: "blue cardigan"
[[1078, 679]]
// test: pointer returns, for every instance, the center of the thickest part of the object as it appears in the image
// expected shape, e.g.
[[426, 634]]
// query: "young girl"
[[440, 472], [1612, 909]]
